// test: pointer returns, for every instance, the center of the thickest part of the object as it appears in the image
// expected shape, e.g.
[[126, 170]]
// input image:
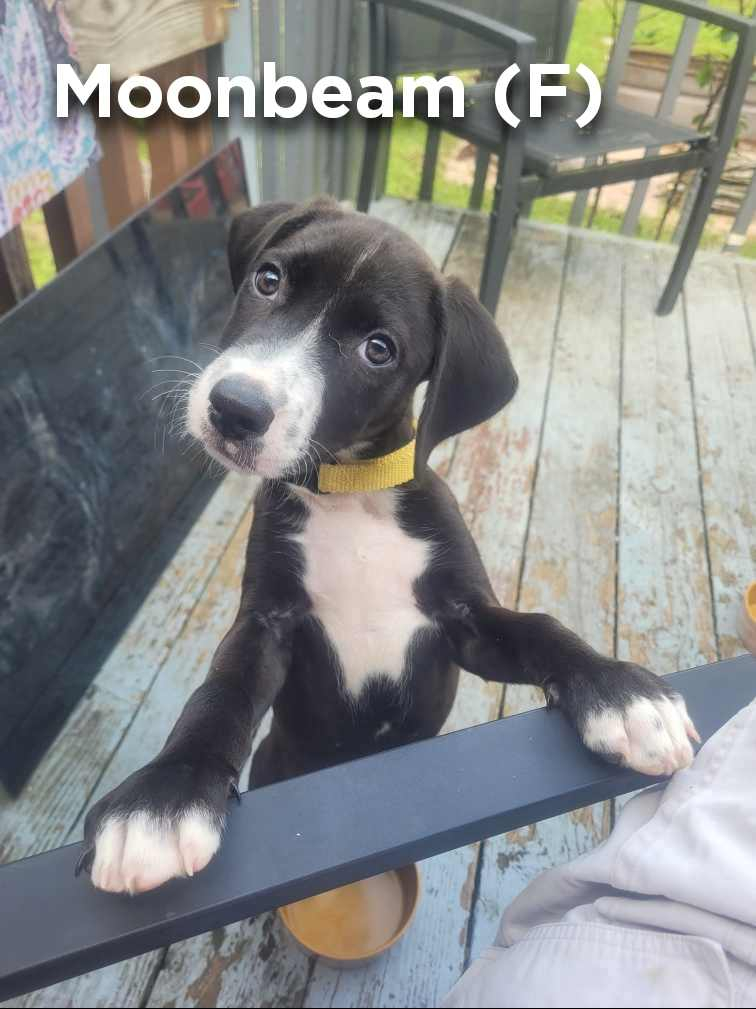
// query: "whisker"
[[323, 447], [180, 393], [175, 357], [183, 384], [175, 371]]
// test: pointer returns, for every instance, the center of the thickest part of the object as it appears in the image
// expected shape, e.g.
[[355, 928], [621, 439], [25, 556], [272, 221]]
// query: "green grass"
[[38, 248], [657, 30]]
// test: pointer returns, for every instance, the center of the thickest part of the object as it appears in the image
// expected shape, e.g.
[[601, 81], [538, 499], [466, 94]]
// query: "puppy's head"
[[337, 319]]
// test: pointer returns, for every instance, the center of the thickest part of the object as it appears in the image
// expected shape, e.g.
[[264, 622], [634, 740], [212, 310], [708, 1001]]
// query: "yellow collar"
[[368, 474]]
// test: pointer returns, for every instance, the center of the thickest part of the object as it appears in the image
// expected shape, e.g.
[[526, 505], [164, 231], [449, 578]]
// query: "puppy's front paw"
[[630, 716], [165, 820], [141, 851]]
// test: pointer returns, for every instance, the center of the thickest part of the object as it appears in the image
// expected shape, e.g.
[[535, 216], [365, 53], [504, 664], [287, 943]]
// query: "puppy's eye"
[[267, 280], [378, 350]]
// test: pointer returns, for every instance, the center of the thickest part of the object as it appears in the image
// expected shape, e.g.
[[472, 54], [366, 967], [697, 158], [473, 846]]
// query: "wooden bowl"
[[353, 924], [747, 618]]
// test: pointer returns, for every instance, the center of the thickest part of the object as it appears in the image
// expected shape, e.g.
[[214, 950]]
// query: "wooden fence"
[[139, 158]]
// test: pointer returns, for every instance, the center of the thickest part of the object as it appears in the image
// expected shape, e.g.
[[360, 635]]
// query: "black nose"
[[239, 408]]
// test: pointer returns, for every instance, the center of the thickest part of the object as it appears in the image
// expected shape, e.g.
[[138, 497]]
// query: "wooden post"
[[199, 132], [167, 135], [16, 281], [69, 223], [176, 144], [742, 222], [134, 35], [120, 168]]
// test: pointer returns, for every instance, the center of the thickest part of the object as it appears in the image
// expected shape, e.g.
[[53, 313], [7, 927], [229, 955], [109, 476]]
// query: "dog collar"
[[385, 471]]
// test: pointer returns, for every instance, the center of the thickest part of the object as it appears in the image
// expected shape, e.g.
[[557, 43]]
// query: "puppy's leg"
[[278, 758], [621, 710], [166, 819]]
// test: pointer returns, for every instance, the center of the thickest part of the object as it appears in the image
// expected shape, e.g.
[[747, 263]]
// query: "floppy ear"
[[253, 230], [248, 235], [472, 376]]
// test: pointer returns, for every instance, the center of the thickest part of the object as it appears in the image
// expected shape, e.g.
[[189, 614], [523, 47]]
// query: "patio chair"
[[537, 159]]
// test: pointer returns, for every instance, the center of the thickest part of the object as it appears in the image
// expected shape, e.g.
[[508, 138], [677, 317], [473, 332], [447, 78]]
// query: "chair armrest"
[[322, 830], [483, 27], [710, 15]]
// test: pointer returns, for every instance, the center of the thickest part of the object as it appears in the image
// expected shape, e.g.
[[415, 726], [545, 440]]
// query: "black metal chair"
[[537, 159]]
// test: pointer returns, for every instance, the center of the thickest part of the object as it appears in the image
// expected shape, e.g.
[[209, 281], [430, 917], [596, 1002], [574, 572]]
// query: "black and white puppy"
[[357, 609]]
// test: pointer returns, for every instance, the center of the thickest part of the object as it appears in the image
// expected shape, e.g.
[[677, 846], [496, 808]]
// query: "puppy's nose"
[[239, 408]]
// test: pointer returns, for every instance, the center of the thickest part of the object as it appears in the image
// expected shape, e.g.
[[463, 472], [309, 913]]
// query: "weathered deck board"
[[569, 558], [248, 961], [724, 386], [507, 447], [41, 817], [495, 464], [130, 669], [570, 564], [431, 226], [747, 278], [664, 607]]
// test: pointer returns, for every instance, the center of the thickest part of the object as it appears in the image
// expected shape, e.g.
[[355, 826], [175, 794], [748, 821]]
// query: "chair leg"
[[741, 70], [500, 234], [482, 158], [430, 161], [689, 241], [369, 164]]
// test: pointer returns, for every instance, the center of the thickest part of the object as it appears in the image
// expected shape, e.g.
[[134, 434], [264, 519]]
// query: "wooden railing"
[[139, 159]]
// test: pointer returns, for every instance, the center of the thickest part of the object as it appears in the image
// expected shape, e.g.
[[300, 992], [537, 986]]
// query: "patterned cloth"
[[39, 153]]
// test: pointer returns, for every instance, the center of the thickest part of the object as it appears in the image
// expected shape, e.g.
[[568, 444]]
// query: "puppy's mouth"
[[235, 454], [243, 453], [246, 425]]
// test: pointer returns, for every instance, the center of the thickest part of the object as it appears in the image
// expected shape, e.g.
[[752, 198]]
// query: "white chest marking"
[[360, 567]]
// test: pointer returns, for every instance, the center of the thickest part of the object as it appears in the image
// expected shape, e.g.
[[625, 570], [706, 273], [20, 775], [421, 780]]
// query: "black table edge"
[[322, 830]]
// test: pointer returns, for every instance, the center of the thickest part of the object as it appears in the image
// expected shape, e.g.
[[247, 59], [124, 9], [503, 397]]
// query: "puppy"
[[357, 607]]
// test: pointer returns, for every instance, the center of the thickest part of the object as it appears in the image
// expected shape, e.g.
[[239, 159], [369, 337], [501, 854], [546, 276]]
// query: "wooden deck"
[[618, 491]]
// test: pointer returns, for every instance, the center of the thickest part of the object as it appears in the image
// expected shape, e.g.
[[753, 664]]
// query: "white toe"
[[651, 736], [675, 726], [651, 746], [605, 733], [690, 729], [150, 854], [141, 852], [108, 853], [198, 841]]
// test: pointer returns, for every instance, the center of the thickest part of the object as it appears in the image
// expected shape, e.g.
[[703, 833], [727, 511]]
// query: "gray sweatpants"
[[663, 913]]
